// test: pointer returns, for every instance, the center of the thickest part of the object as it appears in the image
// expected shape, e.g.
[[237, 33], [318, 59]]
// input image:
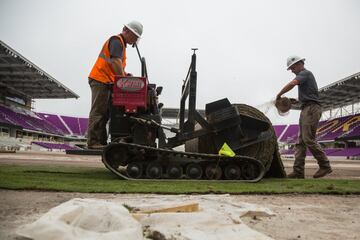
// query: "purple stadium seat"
[[4, 118], [331, 152], [15, 118], [347, 152], [352, 133], [291, 134], [338, 127], [55, 120], [279, 129], [348, 126], [54, 146], [83, 125], [43, 122], [30, 121], [73, 123]]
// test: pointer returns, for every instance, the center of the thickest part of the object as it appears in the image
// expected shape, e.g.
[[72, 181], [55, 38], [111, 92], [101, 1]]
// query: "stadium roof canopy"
[[339, 94], [21, 77]]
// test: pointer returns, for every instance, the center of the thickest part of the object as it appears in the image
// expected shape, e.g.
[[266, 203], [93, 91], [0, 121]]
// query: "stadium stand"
[[336, 128], [78, 126], [54, 146], [55, 120], [331, 152], [339, 128], [351, 134], [291, 133], [331, 131], [44, 123], [29, 121], [21, 81], [279, 129], [49, 125]]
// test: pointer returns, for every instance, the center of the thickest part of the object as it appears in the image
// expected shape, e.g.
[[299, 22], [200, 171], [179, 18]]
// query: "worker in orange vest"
[[110, 62]]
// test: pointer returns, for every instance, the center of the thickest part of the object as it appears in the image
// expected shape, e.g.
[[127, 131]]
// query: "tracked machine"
[[141, 148]]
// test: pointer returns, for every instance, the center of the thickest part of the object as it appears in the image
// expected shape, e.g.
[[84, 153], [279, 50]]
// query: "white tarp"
[[84, 219], [218, 218]]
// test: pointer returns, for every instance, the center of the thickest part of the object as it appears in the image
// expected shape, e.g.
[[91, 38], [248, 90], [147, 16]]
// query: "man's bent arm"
[[116, 64], [288, 87]]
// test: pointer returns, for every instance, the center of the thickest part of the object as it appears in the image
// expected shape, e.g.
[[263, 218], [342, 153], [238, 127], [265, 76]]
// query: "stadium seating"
[[349, 152], [328, 131], [354, 133], [3, 118], [336, 127], [54, 146], [332, 152], [78, 126], [343, 127], [55, 120], [291, 134], [29, 121], [43, 122], [279, 129], [83, 122]]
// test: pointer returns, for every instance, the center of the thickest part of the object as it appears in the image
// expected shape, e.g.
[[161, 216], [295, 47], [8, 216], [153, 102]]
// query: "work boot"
[[296, 175], [96, 146], [322, 172]]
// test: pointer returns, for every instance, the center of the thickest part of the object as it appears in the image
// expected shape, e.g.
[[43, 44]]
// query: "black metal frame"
[[187, 128], [250, 131], [142, 61]]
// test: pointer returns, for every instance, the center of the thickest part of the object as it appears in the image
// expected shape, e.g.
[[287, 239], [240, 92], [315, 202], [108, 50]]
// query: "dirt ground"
[[297, 216]]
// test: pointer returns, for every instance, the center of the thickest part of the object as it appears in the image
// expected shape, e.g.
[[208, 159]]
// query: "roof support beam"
[[338, 90], [19, 73], [12, 65], [5, 55], [353, 85], [21, 93]]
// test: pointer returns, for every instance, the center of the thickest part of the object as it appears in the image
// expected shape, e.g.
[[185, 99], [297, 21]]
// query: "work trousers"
[[99, 113], [309, 119]]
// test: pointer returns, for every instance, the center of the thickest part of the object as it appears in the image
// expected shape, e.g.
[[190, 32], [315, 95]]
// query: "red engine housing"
[[131, 93]]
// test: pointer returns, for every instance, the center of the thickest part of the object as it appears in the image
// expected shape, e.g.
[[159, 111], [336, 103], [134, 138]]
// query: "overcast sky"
[[243, 45]]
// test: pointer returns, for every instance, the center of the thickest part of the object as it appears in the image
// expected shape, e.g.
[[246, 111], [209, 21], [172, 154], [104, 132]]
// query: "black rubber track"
[[188, 158]]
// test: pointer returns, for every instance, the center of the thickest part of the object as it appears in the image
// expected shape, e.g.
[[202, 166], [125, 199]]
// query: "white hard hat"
[[135, 27], [292, 60]]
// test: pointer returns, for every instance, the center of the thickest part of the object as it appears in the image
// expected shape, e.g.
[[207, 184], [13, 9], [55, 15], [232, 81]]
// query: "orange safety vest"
[[102, 71]]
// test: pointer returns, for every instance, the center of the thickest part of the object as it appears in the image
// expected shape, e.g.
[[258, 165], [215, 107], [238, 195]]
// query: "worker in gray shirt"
[[309, 119]]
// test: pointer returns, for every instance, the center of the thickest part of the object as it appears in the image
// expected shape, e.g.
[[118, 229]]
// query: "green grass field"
[[98, 180]]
